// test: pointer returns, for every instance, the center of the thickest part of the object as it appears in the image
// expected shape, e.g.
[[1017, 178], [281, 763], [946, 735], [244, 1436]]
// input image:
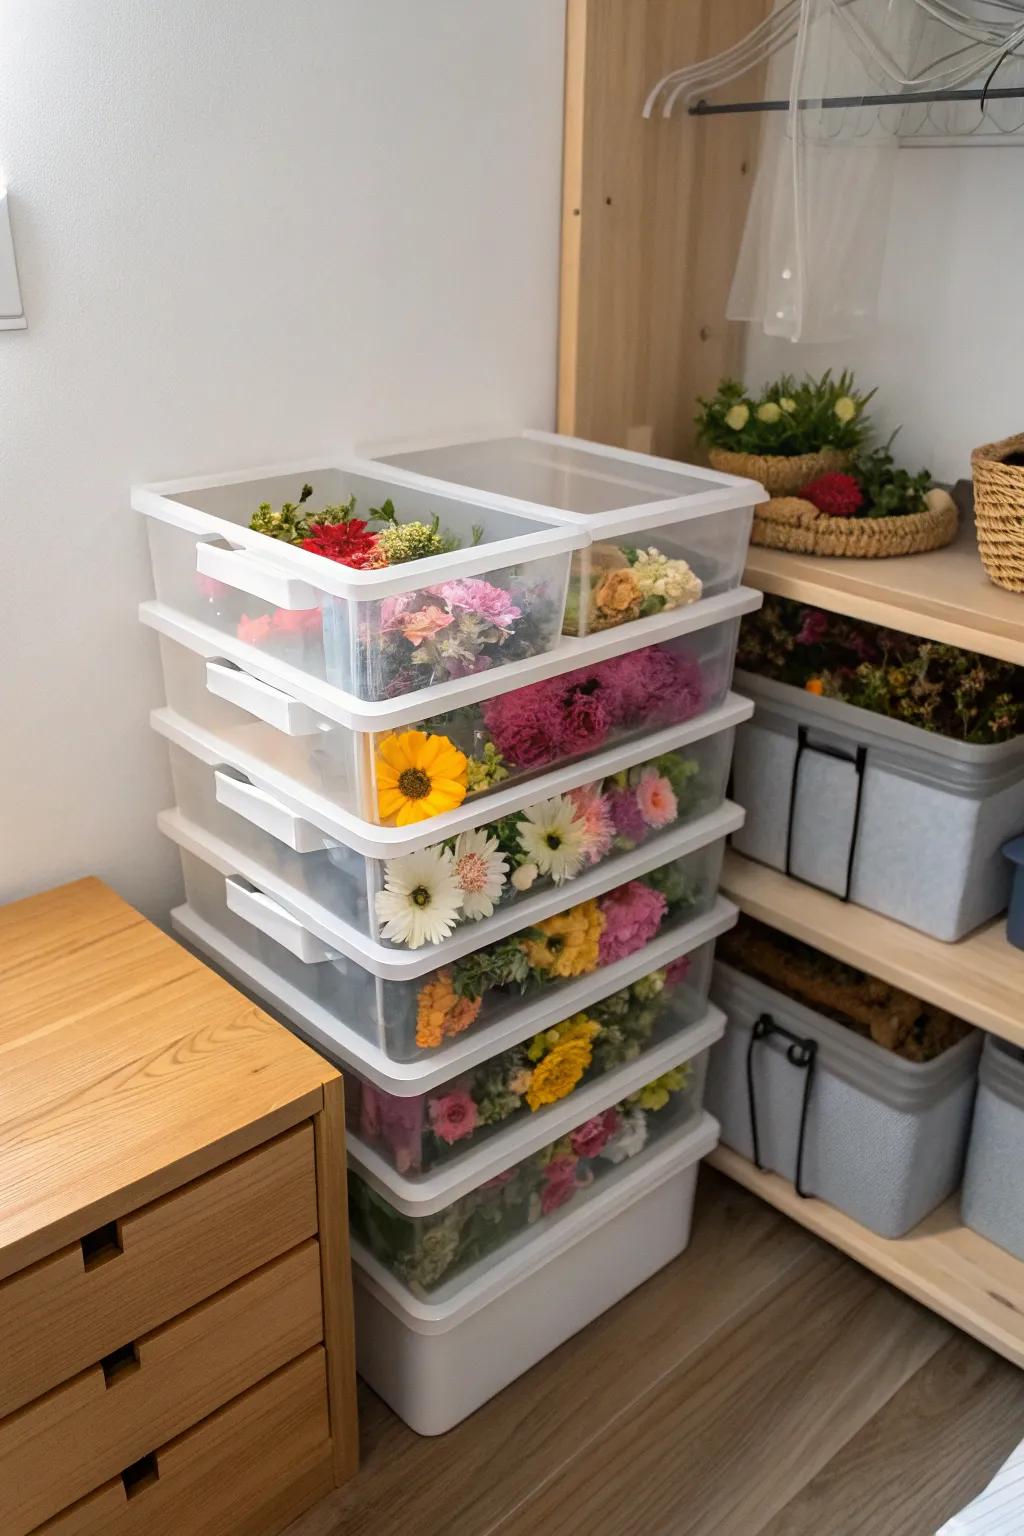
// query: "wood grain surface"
[[761, 1385], [126, 1068]]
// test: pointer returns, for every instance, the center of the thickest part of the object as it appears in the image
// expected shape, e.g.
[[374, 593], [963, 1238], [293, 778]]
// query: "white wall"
[[246, 230], [947, 353]]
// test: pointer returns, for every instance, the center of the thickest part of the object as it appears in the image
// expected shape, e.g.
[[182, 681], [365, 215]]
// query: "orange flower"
[[441, 1013], [814, 685], [619, 595]]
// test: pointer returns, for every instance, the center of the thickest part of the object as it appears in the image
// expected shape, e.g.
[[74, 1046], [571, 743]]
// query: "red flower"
[[349, 543], [836, 495]]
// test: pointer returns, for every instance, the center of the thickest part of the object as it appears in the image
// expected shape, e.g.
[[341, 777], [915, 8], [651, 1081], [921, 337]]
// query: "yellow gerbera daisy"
[[418, 776]]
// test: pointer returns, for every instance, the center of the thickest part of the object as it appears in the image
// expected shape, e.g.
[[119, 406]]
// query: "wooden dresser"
[[176, 1352]]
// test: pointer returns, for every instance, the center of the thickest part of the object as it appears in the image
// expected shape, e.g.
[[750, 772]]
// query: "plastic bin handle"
[[267, 813], [267, 703], [258, 578], [270, 918]]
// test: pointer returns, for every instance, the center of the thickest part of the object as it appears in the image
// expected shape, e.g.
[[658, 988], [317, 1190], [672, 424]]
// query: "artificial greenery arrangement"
[[831, 492], [940, 688], [336, 533], [788, 417]]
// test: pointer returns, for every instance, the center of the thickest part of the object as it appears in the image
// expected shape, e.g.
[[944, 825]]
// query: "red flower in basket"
[[350, 543], [837, 495]]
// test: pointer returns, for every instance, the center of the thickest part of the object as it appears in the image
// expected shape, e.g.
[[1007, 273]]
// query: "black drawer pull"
[[142, 1474], [101, 1246], [119, 1364]]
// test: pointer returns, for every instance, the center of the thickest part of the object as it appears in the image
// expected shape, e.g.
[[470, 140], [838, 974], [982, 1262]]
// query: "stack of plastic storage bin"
[[525, 1081]]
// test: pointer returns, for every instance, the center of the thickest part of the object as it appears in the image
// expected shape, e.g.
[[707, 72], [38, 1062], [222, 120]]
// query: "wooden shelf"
[[980, 979], [968, 1281], [943, 596]]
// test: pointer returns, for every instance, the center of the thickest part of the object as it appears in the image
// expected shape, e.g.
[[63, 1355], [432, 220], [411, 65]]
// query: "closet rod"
[[717, 109]]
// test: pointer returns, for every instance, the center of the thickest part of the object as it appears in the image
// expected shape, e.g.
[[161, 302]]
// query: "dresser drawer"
[[70, 1310], [246, 1471], [62, 1446]]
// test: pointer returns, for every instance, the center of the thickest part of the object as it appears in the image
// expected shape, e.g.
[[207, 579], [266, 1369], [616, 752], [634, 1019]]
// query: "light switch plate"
[[12, 313]]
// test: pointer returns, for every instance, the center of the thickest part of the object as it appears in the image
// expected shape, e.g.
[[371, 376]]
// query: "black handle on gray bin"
[[859, 761], [802, 1053]]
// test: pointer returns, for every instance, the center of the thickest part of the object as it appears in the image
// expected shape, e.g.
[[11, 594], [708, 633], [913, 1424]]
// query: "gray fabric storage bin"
[[901, 820], [992, 1202], [885, 1138]]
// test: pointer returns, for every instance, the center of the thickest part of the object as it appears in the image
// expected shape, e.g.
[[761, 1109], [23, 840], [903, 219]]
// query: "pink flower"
[[453, 1116], [586, 714], [397, 1122], [524, 725], [255, 631], [424, 624], [500, 1179], [590, 1138], [677, 971], [394, 610], [656, 798], [559, 1183], [593, 811], [813, 627], [481, 598], [629, 823], [632, 916], [298, 621], [656, 686]]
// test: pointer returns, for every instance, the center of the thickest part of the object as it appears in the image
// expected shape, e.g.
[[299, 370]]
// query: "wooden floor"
[[763, 1385]]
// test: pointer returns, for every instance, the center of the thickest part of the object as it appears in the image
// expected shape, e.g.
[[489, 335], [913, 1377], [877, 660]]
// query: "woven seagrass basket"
[[790, 523], [999, 511], [780, 474]]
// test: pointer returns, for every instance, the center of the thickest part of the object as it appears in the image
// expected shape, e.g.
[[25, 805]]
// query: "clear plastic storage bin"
[[415, 1133], [436, 767], [530, 977], [426, 1244], [663, 534], [547, 845], [496, 595]]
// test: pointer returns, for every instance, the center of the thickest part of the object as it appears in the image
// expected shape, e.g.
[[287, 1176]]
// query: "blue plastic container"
[[1014, 851]]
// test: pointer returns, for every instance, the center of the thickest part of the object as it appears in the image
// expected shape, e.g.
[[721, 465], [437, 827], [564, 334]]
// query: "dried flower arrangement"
[[427, 894], [893, 1019], [939, 688], [446, 630], [572, 943], [627, 583], [426, 1251], [420, 1132], [425, 771]]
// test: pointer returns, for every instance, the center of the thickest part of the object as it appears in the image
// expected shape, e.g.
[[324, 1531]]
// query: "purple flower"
[[629, 823], [480, 598], [813, 627], [586, 715], [525, 725]]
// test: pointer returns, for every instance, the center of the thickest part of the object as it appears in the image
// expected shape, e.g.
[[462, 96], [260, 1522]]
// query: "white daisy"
[[480, 872], [421, 900], [553, 836]]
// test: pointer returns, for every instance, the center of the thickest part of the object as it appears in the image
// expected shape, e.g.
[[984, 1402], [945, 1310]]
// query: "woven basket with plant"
[[998, 470], [830, 494]]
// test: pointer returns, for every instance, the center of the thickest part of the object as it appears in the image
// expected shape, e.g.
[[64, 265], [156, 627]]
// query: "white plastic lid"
[[608, 490]]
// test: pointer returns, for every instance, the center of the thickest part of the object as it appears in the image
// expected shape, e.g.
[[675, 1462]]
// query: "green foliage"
[[499, 965], [788, 416], [888, 491]]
